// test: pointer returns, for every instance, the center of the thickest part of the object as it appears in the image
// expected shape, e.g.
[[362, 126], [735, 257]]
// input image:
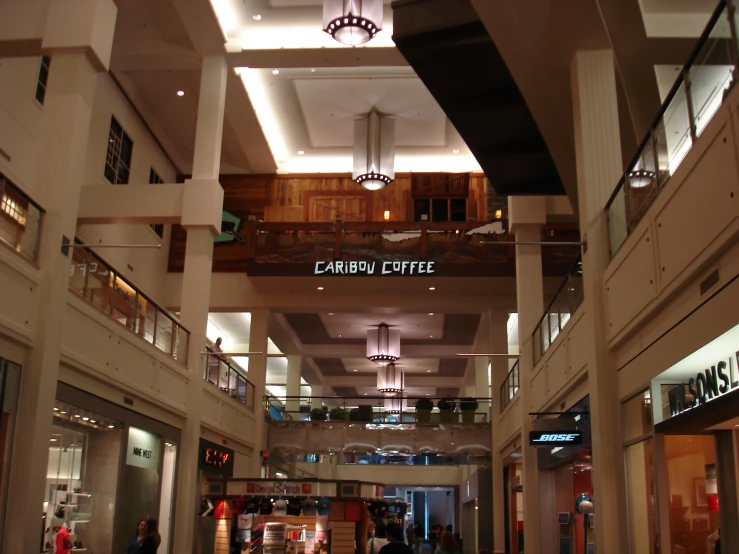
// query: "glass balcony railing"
[[230, 379], [567, 299], [20, 220], [103, 287], [697, 94], [378, 409], [509, 388]]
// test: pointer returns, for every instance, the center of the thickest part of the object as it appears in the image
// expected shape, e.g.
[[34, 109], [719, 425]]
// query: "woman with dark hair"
[[151, 542], [379, 540], [447, 544], [134, 543]]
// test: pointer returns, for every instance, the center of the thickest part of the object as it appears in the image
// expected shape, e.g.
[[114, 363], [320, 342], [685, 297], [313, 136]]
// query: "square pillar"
[[294, 364], [258, 340]]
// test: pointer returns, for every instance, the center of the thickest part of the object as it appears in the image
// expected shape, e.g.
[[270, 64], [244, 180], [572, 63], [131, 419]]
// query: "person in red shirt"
[[63, 544]]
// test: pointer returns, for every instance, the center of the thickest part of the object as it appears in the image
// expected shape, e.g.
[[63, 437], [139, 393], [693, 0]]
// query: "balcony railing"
[[20, 220], [103, 287], [567, 299], [697, 94], [378, 409], [509, 388], [230, 379]]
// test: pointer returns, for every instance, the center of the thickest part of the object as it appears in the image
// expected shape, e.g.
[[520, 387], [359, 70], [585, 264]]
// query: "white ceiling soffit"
[[307, 117], [719, 349], [265, 25], [676, 18]]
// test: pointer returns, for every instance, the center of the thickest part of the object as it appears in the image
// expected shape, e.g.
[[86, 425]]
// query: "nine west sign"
[[705, 386], [375, 268]]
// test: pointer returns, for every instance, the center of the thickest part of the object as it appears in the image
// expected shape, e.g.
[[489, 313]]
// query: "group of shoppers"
[[389, 540]]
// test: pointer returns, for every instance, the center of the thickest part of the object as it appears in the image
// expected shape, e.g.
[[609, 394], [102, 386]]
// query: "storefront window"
[[693, 499], [10, 376], [641, 497], [82, 479]]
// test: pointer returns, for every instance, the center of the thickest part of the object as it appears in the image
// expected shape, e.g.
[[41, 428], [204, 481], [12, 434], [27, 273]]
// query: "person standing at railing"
[[214, 364]]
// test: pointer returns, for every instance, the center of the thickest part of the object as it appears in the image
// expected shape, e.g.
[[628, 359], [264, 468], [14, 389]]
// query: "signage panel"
[[143, 449], [555, 438], [291, 488], [214, 458], [402, 267]]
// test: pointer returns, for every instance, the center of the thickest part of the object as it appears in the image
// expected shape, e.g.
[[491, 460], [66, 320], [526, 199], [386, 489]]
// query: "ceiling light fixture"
[[320, 288], [383, 344], [455, 151], [331, 313], [352, 22], [180, 93], [256, 17], [275, 72], [641, 178], [390, 380], [395, 404], [374, 151], [301, 152], [111, 426], [432, 288], [431, 313]]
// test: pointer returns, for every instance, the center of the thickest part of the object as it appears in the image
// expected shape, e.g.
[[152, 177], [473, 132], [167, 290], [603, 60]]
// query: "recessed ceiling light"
[[312, 70], [331, 313], [56, 409], [431, 313], [275, 72], [365, 394], [455, 151], [53, 440], [354, 370], [111, 426], [76, 416], [85, 419], [432, 288], [93, 421], [431, 336], [428, 371], [256, 17], [427, 394], [320, 288], [180, 93], [339, 336], [301, 152], [62, 412]]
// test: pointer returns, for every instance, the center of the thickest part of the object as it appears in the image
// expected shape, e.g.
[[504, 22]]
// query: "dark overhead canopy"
[[465, 73]]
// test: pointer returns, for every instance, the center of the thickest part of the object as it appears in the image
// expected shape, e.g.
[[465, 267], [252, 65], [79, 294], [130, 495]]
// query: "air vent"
[[709, 282], [127, 400]]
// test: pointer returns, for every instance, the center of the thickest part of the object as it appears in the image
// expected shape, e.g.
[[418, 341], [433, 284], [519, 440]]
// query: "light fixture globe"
[[641, 178], [374, 151], [352, 22], [383, 345], [389, 379]]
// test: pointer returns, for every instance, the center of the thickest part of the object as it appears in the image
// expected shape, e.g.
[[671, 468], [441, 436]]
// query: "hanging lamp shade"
[[383, 345], [374, 151], [389, 379], [352, 22], [395, 404], [641, 178]]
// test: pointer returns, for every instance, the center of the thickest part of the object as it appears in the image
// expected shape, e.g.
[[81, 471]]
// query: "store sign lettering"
[[142, 453], [374, 268], [278, 487], [214, 457], [705, 386], [547, 438]]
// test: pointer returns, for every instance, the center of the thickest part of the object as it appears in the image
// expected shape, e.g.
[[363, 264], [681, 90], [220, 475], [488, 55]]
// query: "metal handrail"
[[506, 397], [246, 399], [576, 266], [676, 87]]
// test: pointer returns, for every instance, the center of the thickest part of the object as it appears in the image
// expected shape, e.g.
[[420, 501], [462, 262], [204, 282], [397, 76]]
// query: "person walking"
[[63, 544], [152, 539], [418, 536], [134, 543], [447, 544], [395, 543], [410, 535], [376, 543]]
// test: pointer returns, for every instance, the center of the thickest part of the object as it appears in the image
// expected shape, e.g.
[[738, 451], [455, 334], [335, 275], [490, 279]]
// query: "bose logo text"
[[569, 437]]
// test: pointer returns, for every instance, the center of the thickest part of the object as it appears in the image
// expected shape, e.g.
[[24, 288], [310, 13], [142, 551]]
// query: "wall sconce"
[[386, 215], [498, 214]]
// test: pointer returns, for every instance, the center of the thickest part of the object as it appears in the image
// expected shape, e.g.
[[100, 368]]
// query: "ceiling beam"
[[360, 350], [318, 57]]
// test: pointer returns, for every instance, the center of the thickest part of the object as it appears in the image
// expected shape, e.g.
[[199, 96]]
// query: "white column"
[[498, 330], [258, 337], [599, 167], [294, 364], [201, 217], [78, 35], [527, 214]]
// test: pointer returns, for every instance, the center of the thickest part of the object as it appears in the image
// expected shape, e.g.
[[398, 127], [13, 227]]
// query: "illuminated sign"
[[266, 487], [705, 386], [414, 267], [550, 438], [215, 458]]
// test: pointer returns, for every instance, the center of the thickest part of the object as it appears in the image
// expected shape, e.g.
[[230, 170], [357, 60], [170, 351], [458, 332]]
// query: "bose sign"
[[548, 438]]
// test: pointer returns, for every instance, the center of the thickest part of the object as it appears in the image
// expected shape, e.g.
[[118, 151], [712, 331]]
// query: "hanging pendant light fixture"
[[390, 379], [374, 151], [352, 22], [383, 344], [396, 404]]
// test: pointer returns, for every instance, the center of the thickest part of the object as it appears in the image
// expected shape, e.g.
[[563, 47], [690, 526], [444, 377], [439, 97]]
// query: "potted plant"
[[337, 414], [468, 407], [423, 410], [446, 410], [317, 414]]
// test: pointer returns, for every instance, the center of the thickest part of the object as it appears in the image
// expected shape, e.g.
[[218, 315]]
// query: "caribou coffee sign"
[[374, 268], [708, 384]]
